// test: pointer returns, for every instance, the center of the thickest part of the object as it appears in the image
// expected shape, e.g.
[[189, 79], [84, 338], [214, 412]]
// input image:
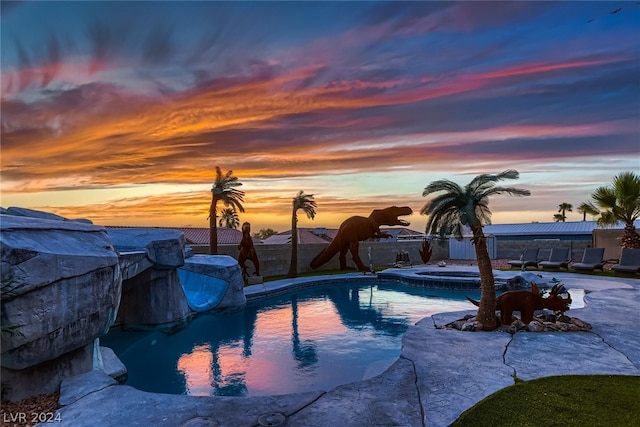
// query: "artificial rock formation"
[[66, 282], [60, 291], [162, 286]]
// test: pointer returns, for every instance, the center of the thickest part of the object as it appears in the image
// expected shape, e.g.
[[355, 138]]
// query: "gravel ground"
[[39, 408]]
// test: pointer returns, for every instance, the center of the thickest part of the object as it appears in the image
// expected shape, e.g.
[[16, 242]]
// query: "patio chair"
[[629, 261], [592, 259], [528, 259], [558, 258]]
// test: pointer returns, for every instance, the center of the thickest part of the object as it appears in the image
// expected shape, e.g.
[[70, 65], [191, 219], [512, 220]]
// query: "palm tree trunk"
[[293, 266], [213, 230], [487, 309], [630, 237]]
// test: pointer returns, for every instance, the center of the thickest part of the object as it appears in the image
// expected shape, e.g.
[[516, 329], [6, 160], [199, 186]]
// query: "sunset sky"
[[120, 111]]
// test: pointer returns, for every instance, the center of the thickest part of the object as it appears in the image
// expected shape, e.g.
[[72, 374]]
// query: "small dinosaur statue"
[[358, 228], [527, 302], [247, 252]]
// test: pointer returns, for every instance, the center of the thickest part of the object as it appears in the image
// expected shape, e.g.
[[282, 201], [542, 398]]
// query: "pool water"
[[310, 339]]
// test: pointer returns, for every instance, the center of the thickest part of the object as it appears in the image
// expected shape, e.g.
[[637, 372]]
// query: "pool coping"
[[417, 276]]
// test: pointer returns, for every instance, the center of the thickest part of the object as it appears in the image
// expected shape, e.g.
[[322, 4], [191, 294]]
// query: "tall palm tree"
[[620, 201], [308, 205], [229, 218], [469, 206], [586, 208], [563, 208], [223, 189]]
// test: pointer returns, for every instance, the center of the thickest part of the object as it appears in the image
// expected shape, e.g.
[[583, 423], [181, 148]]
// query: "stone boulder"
[[165, 248], [60, 290], [212, 281]]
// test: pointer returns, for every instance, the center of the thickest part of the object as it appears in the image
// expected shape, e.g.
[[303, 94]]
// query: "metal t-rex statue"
[[247, 252], [358, 228]]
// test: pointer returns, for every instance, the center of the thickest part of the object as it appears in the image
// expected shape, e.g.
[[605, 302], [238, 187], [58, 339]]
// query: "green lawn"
[[568, 400]]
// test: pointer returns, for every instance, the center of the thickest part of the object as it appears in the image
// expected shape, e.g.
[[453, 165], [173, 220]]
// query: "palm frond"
[[442, 185], [306, 203]]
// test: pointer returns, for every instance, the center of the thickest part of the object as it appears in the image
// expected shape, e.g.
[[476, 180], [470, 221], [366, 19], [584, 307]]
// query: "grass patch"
[[567, 400]]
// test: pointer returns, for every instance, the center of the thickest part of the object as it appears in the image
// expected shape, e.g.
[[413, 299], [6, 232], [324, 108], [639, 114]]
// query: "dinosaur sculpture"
[[247, 252], [358, 228], [425, 252], [527, 302]]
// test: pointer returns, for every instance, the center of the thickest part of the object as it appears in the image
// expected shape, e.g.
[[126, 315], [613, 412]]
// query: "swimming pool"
[[309, 339]]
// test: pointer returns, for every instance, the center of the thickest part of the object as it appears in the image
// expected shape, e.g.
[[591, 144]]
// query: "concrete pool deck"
[[439, 374]]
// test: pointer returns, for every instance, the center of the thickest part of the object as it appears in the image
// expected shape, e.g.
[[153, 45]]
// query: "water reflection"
[[197, 370], [308, 340], [304, 352]]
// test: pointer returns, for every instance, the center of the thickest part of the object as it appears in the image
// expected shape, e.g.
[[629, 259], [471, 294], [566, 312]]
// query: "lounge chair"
[[558, 258], [591, 260], [629, 261], [528, 259]]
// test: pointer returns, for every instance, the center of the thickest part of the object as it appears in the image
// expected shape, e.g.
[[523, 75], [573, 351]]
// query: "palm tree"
[[621, 202], [469, 206], [264, 233], [563, 208], [308, 205], [558, 218], [223, 189], [587, 208], [229, 217]]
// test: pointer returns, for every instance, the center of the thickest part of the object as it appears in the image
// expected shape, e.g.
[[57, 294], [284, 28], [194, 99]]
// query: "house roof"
[[324, 235], [546, 228], [305, 235], [200, 236]]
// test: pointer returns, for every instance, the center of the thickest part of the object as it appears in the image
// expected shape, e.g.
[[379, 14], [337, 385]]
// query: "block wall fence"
[[275, 259]]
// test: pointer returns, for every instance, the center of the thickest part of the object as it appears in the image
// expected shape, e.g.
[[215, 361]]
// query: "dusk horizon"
[[119, 112]]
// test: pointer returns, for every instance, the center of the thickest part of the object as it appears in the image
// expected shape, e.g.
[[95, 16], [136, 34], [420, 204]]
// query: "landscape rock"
[[112, 365], [543, 323], [535, 326], [74, 388]]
